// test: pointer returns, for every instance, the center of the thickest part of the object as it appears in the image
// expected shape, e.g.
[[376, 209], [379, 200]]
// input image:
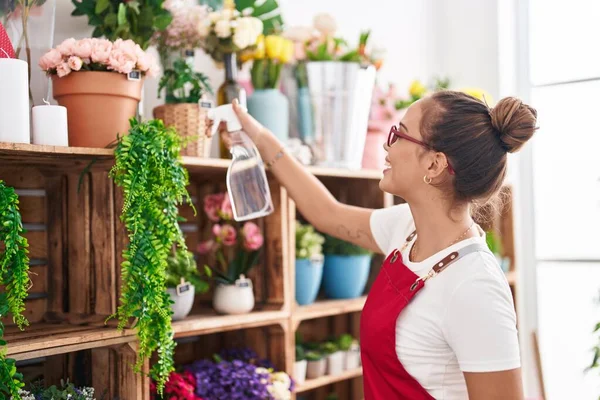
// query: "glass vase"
[[229, 90], [30, 27]]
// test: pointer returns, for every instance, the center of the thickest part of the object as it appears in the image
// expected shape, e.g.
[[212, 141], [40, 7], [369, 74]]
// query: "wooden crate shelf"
[[76, 240], [42, 340], [32, 154], [312, 384], [195, 325], [328, 308]]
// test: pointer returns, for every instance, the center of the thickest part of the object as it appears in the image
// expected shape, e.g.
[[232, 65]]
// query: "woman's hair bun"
[[514, 121]]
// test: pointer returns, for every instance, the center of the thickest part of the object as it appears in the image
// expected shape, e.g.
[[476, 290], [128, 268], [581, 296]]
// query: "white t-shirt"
[[462, 320]]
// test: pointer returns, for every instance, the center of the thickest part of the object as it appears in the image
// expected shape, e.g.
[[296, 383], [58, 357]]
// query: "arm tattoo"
[[345, 233]]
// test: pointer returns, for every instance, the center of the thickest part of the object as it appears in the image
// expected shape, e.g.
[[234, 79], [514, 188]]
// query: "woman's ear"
[[437, 165]]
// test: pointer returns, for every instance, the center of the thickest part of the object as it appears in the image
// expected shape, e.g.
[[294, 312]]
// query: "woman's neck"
[[438, 228]]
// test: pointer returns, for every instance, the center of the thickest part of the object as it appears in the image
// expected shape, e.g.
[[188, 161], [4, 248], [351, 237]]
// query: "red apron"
[[384, 376]]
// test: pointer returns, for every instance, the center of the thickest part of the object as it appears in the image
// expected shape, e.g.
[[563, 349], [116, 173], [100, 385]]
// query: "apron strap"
[[451, 258]]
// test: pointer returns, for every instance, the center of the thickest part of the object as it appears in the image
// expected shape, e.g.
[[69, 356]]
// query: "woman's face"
[[405, 164]]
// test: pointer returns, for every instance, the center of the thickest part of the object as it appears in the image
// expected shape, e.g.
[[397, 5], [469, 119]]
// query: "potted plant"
[[14, 281], [267, 104], [346, 268], [236, 249], [181, 37], [184, 88], [183, 281], [232, 374], [350, 347], [100, 84], [148, 168], [124, 19], [225, 34], [67, 390], [340, 81], [181, 386], [316, 364], [300, 365], [335, 358], [309, 263]]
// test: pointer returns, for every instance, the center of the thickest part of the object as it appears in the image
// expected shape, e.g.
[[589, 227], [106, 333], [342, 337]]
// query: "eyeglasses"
[[395, 134]]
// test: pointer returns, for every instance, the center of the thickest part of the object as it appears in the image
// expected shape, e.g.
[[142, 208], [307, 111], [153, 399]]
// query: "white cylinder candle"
[[14, 101], [50, 125]]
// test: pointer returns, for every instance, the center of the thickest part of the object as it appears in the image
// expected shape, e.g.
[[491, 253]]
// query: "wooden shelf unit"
[[71, 210], [326, 380]]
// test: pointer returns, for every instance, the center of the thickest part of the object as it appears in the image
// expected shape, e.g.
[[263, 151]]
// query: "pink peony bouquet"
[[228, 238], [122, 56], [182, 33]]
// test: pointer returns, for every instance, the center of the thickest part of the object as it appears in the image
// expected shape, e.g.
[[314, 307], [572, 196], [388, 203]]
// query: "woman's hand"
[[254, 129]]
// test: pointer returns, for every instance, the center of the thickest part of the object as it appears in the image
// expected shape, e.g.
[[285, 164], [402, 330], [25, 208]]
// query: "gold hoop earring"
[[427, 180]]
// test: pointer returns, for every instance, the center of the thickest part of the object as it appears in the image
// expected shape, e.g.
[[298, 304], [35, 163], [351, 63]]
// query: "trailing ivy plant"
[[148, 168], [14, 276]]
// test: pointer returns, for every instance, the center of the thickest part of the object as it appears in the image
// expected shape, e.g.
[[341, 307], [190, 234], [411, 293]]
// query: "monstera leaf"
[[268, 11]]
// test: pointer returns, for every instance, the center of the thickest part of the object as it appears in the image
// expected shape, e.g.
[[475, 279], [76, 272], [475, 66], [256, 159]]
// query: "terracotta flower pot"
[[99, 105]]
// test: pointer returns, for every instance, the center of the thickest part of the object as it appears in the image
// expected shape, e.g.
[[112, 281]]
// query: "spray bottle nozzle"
[[227, 114]]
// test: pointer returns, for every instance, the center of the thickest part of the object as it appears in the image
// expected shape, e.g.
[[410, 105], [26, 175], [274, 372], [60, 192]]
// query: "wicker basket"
[[189, 121]]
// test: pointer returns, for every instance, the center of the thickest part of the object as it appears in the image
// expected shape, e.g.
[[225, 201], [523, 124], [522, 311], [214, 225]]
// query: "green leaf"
[[122, 15], [134, 5], [161, 22], [102, 5], [111, 20]]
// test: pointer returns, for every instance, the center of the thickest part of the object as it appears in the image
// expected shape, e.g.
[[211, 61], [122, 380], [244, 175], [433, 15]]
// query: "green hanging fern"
[[14, 276], [149, 170]]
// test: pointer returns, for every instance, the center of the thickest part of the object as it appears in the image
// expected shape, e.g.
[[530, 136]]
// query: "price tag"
[[182, 288], [243, 282], [134, 75]]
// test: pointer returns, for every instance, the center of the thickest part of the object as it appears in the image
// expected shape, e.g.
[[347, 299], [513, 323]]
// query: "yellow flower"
[[273, 46], [259, 52], [417, 89], [287, 53], [479, 94]]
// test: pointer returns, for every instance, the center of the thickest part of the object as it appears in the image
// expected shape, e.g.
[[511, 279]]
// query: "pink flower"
[[63, 69], [144, 60], [101, 49], [83, 48], [126, 46], [66, 47], [212, 205], [50, 60], [206, 247], [75, 63], [253, 238], [225, 234], [226, 210], [120, 61], [154, 69]]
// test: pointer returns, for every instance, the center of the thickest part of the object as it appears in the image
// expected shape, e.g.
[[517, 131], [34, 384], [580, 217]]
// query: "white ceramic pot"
[[234, 299], [335, 363], [300, 371], [352, 360], [182, 302], [316, 369]]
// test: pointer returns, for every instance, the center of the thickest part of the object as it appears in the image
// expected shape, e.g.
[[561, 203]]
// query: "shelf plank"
[[328, 380], [34, 154], [327, 308], [43, 339], [210, 323]]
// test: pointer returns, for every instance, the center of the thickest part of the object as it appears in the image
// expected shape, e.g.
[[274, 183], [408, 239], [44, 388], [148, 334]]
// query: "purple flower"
[[229, 379]]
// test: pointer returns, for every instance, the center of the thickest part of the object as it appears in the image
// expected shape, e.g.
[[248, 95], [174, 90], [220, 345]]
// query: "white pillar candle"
[[14, 101], [50, 125]]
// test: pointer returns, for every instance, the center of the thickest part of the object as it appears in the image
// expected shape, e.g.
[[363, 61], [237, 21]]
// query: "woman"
[[439, 322]]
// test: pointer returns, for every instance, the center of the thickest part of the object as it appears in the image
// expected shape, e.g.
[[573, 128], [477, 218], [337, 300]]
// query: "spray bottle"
[[246, 177]]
